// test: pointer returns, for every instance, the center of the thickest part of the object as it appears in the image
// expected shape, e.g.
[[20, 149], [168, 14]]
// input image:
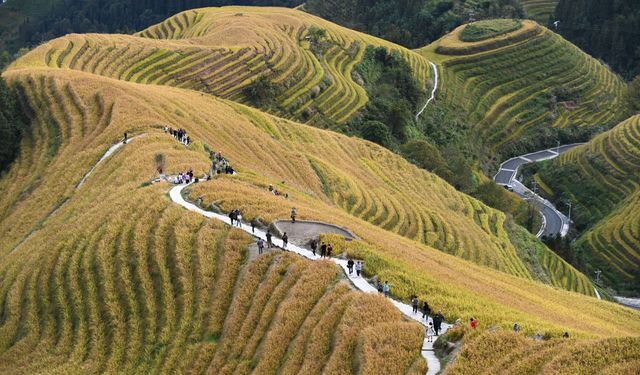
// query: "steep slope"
[[509, 353], [306, 61], [113, 277], [526, 89], [370, 184], [263, 149], [602, 181]]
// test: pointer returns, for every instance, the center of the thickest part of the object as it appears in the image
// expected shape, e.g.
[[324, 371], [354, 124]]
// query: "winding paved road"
[[553, 221]]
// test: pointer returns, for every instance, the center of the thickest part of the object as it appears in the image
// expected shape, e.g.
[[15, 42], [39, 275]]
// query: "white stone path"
[[359, 282]]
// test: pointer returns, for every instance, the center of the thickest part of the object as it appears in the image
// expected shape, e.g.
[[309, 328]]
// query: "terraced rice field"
[[539, 10], [90, 112], [519, 85], [602, 180], [508, 353], [113, 277], [221, 51]]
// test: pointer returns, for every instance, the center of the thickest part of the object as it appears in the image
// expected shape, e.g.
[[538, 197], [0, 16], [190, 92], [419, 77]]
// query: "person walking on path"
[[379, 286], [426, 310], [430, 332], [294, 213], [474, 323], [358, 268], [238, 218], [314, 246], [516, 328], [285, 240], [415, 303], [323, 250], [350, 266], [329, 250], [386, 289], [125, 138], [254, 224], [269, 243], [260, 244], [437, 322], [232, 217]]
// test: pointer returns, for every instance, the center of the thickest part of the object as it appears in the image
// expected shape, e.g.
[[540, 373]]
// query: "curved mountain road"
[[554, 222]]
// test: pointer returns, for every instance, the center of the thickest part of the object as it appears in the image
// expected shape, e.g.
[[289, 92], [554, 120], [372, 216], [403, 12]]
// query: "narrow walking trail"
[[109, 152], [433, 92], [359, 282]]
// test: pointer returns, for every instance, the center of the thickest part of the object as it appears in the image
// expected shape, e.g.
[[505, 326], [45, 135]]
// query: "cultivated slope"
[[602, 179], [504, 352], [222, 51], [372, 185], [114, 277], [539, 10], [86, 113], [524, 89]]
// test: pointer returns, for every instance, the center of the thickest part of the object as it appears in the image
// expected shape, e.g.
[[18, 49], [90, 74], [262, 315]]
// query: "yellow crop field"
[[508, 353], [519, 86], [601, 178], [113, 277], [221, 51], [264, 150]]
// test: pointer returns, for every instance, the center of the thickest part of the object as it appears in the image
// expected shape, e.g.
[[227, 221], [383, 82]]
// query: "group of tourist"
[[181, 178], [179, 134], [325, 249], [275, 192], [236, 217], [358, 265], [219, 165], [434, 326]]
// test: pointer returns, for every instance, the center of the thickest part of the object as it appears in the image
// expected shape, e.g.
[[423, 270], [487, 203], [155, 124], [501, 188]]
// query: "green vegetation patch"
[[482, 30]]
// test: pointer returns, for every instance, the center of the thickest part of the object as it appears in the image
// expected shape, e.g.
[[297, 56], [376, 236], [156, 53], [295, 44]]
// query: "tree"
[[376, 131]]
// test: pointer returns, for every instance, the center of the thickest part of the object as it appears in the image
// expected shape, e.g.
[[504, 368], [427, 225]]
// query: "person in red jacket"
[[474, 323]]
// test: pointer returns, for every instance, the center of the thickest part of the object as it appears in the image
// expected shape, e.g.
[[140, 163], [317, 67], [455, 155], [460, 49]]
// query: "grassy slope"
[[539, 10], [524, 89], [223, 50], [264, 149], [448, 221], [602, 180], [507, 353], [120, 279]]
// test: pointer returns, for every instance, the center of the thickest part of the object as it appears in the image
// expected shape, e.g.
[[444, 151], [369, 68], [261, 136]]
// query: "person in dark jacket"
[[285, 240], [350, 266], [314, 246], [323, 250], [426, 310], [415, 303], [269, 243], [437, 322]]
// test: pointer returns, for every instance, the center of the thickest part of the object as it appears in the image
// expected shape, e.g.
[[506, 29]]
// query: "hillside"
[[113, 277], [539, 10], [225, 51], [264, 150], [509, 353], [522, 90], [601, 179]]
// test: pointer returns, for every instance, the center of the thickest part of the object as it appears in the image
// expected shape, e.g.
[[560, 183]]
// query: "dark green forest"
[[12, 125], [411, 23], [606, 29]]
